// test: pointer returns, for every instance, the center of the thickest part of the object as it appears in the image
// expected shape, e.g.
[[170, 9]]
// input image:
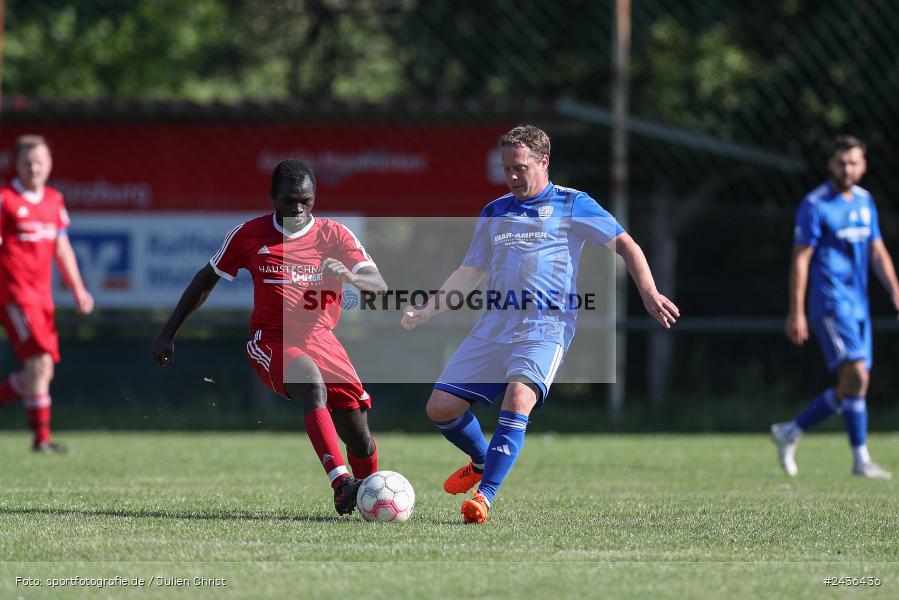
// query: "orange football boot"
[[474, 510], [462, 480]]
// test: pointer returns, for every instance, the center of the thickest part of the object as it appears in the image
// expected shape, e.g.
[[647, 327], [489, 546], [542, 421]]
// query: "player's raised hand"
[[661, 309], [797, 328], [335, 268], [415, 315], [163, 350]]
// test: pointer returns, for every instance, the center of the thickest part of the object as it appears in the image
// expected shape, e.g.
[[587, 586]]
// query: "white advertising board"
[[146, 259]]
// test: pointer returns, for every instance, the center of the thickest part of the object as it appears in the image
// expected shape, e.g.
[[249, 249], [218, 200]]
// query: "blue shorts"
[[480, 369], [843, 338]]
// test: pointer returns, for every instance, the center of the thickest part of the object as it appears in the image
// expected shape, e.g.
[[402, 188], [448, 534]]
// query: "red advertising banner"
[[378, 170]]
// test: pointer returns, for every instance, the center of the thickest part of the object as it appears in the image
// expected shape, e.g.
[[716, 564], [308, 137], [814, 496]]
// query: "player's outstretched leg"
[[361, 449], [504, 448], [786, 435], [304, 383], [459, 425], [853, 387], [855, 415]]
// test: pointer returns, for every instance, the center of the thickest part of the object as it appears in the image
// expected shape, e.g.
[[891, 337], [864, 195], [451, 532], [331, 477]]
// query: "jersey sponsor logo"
[[304, 274], [544, 212], [36, 231], [853, 235], [523, 236], [263, 250]]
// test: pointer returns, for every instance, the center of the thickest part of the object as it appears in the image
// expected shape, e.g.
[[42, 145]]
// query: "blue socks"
[[465, 434], [504, 449], [855, 415], [822, 408]]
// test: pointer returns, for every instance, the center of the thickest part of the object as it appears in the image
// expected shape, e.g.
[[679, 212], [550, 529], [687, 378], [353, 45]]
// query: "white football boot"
[[786, 446], [872, 470]]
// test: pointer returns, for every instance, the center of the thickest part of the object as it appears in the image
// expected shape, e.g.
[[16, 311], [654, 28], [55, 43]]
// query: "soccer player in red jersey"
[[298, 264], [33, 222]]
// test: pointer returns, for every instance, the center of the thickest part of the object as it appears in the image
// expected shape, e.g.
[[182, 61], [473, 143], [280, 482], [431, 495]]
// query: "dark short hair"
[[28, 141], [843, 143], [293, 172], [532, 138]]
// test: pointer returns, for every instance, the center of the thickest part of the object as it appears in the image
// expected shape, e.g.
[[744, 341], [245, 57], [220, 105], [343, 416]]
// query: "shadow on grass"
[[175, 515]]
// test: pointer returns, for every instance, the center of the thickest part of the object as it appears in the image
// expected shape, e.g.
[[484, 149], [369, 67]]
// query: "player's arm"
[[163, 347], [658, 306], [68, 269], [886, 272], [464, 280], [367, 278], [797, 325]]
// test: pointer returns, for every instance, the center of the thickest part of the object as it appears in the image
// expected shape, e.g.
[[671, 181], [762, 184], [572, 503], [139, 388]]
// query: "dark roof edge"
[[303, 110]]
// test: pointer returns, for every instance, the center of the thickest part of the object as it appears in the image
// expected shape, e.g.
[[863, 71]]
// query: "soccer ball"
[[385, 496]]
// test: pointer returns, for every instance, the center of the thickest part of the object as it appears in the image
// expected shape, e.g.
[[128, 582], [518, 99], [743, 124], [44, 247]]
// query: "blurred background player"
[[298, 264], [521, 350], [837, 234], [33, 223]]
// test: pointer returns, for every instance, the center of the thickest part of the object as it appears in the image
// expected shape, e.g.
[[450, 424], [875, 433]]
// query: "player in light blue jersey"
[[837, 235], [528, 244]]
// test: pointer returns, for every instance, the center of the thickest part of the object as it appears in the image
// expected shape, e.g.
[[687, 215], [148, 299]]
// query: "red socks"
[[321, 432], [363, 466], [38, 408], [9, 389]]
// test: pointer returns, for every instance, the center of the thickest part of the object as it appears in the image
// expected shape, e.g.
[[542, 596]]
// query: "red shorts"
[[268, 353], [31, 330]]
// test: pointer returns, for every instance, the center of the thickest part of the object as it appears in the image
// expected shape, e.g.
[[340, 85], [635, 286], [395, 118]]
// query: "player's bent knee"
[[521, 396], [360, 445], [443, 406], [303, 381], [37, 374], [854, 379]]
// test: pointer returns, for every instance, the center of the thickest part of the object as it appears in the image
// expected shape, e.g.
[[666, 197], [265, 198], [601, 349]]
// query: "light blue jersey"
[[531, 251], [841, 230]]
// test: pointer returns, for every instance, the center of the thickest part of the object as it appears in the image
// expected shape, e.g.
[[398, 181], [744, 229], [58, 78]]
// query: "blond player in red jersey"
[[298, 264], [33, 223]]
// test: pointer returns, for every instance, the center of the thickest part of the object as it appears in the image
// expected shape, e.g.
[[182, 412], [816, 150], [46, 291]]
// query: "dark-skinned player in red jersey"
[[298, 264]]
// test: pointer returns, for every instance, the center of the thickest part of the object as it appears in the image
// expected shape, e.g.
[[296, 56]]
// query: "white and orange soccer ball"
[[385, 496]]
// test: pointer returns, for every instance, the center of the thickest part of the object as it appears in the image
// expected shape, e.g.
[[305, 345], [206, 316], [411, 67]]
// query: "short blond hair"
[[532, 138], [28, 141]]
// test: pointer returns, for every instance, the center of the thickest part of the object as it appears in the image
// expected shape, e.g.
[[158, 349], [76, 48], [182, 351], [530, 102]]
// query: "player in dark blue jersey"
[[528, 245], [837, 236]]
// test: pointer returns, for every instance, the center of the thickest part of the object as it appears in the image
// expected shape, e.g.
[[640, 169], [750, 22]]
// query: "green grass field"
[[590, 516]]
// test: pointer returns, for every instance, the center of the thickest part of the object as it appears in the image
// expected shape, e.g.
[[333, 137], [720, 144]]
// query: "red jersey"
[[29, 226], [291, 291]]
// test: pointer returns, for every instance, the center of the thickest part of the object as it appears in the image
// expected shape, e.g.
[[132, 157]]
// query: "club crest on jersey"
[[866, 215], [263, 250], [544, 212]]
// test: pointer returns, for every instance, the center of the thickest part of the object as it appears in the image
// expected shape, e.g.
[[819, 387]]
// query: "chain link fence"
[[732, 108]]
